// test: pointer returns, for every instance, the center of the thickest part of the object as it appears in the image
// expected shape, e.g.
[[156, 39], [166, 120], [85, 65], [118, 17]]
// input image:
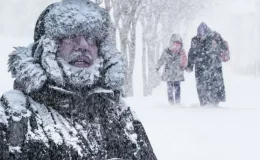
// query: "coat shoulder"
[[215, 35], [13, 124], [14, 105]]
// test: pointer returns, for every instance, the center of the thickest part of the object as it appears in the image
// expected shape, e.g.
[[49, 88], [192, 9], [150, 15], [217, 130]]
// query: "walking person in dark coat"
[[175, 60], [65, 103], [208, 51]]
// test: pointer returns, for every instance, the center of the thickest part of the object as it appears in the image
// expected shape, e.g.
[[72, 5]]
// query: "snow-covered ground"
[[189, 132]]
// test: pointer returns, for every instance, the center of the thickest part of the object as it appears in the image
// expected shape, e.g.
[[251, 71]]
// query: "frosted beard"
[[81, 77], [64, 74]]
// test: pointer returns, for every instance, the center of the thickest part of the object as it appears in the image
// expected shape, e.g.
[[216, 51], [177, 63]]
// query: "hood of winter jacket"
[[203, 30], [175, 38]]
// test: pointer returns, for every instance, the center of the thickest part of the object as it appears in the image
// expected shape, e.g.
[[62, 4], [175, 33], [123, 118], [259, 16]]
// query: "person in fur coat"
[[66, 102]]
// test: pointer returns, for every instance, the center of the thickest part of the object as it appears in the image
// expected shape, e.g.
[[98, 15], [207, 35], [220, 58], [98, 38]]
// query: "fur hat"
[[70, 17]]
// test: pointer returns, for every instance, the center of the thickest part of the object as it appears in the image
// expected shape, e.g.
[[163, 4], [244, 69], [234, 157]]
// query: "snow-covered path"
[[189, 132]]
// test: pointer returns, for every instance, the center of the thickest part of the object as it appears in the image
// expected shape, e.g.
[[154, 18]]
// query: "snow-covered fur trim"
[[49, 60], [77, 17], [113, 64], [25, 70], [32, 72]]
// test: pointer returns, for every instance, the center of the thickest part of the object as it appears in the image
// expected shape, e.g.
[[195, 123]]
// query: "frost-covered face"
[[78, 51], [176, 46], [78, 56]]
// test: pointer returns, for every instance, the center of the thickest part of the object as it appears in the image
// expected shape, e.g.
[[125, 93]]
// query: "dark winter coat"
[[208, 67], [55, 124]]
